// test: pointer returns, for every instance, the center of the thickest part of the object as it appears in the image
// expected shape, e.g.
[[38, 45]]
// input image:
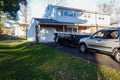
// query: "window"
[[100, 34], [65, 13], [72, 29], [87, 15], [110, 34], [101, 17], [71, 14], [69, 29]]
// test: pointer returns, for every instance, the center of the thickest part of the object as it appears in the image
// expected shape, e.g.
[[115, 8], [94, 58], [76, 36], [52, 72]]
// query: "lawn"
[[22, 61]]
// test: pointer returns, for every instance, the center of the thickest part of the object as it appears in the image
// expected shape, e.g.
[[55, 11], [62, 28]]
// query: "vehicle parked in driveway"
[[107, 40], [70, 39]]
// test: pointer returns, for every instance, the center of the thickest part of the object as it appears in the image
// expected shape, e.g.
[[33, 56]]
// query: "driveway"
[[92, 56]]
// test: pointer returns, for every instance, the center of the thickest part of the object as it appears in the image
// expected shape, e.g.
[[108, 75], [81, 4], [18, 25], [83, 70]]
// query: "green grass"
[[21, 61]]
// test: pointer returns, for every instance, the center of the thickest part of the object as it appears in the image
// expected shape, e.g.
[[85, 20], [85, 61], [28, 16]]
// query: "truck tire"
[[117, 56], [83, 48]]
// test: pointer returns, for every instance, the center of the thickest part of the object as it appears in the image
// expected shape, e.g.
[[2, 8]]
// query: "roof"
[[52, 22], [55, 22], [83, 10]]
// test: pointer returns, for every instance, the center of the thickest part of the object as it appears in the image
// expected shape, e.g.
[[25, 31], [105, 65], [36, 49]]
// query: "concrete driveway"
[[92, 56]]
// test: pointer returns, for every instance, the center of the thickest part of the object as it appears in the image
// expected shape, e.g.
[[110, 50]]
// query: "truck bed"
[[71, 39]]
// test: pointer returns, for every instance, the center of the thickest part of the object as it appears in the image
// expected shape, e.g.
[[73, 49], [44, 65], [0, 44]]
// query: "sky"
[[37, 9]]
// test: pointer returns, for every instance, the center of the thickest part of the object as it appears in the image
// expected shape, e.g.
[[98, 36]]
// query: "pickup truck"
[[70, 39], [105, 40]]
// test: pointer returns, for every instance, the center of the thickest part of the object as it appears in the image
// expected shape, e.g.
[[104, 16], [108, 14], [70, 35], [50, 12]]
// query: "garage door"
[[46, 34]]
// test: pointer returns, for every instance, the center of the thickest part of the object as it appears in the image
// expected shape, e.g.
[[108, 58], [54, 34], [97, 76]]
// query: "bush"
[[9, 37]]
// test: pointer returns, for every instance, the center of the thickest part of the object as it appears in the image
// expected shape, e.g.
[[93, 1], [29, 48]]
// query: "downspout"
[[96, 21]]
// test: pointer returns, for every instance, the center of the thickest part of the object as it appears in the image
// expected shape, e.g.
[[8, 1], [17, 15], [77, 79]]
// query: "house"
[[18, 31], [65, 19], [24, 28], [13, 30], [5, 30]]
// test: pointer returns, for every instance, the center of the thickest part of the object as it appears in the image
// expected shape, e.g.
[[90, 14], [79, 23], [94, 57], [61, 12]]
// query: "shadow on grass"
[[39, 62], [11, 37], [12, 44], [23, 63]]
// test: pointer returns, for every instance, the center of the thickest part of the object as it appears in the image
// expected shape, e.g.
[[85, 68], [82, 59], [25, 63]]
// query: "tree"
[[112, 8], [2, 21], [54, 2], [11, 7], [105, 8], [116, 9], [24, 14]]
